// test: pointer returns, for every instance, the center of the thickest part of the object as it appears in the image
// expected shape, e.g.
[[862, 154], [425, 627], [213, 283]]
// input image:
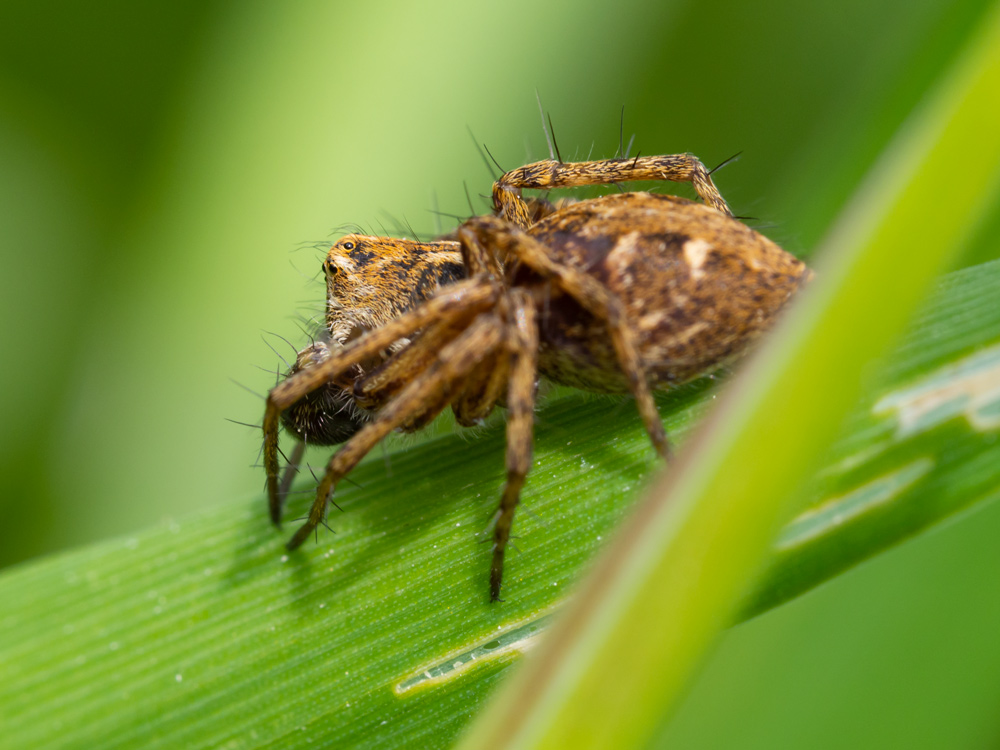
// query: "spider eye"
[[348, 245], [331, 269]]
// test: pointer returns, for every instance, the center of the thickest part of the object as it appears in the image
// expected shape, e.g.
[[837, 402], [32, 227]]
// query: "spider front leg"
[[522, 340], [452, 364], [462, 298], [550, 174]]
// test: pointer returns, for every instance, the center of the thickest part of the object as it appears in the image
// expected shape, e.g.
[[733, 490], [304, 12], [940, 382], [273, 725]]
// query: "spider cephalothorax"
[[613, 294]]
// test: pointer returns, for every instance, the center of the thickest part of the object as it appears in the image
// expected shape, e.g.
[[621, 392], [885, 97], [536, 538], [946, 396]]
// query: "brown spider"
[[613, 294]]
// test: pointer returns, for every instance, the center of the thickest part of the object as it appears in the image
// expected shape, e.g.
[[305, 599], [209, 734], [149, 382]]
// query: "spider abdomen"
[[697, 287]]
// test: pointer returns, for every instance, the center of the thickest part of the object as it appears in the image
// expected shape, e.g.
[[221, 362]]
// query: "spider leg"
[[386, 381], [291, 470], [546, 175], [483, 389], [461, 297], [593, 296], [486, 384], [476, 258], [522, 339], [452, 364]]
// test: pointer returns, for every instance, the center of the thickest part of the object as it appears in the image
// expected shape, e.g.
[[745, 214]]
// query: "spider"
[[621, 293]]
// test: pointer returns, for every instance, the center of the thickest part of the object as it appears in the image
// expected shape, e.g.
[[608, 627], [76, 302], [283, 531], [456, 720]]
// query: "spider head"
[[372, 280]]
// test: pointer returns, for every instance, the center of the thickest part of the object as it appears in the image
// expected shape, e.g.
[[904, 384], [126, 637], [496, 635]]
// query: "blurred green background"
[[166, 169]]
